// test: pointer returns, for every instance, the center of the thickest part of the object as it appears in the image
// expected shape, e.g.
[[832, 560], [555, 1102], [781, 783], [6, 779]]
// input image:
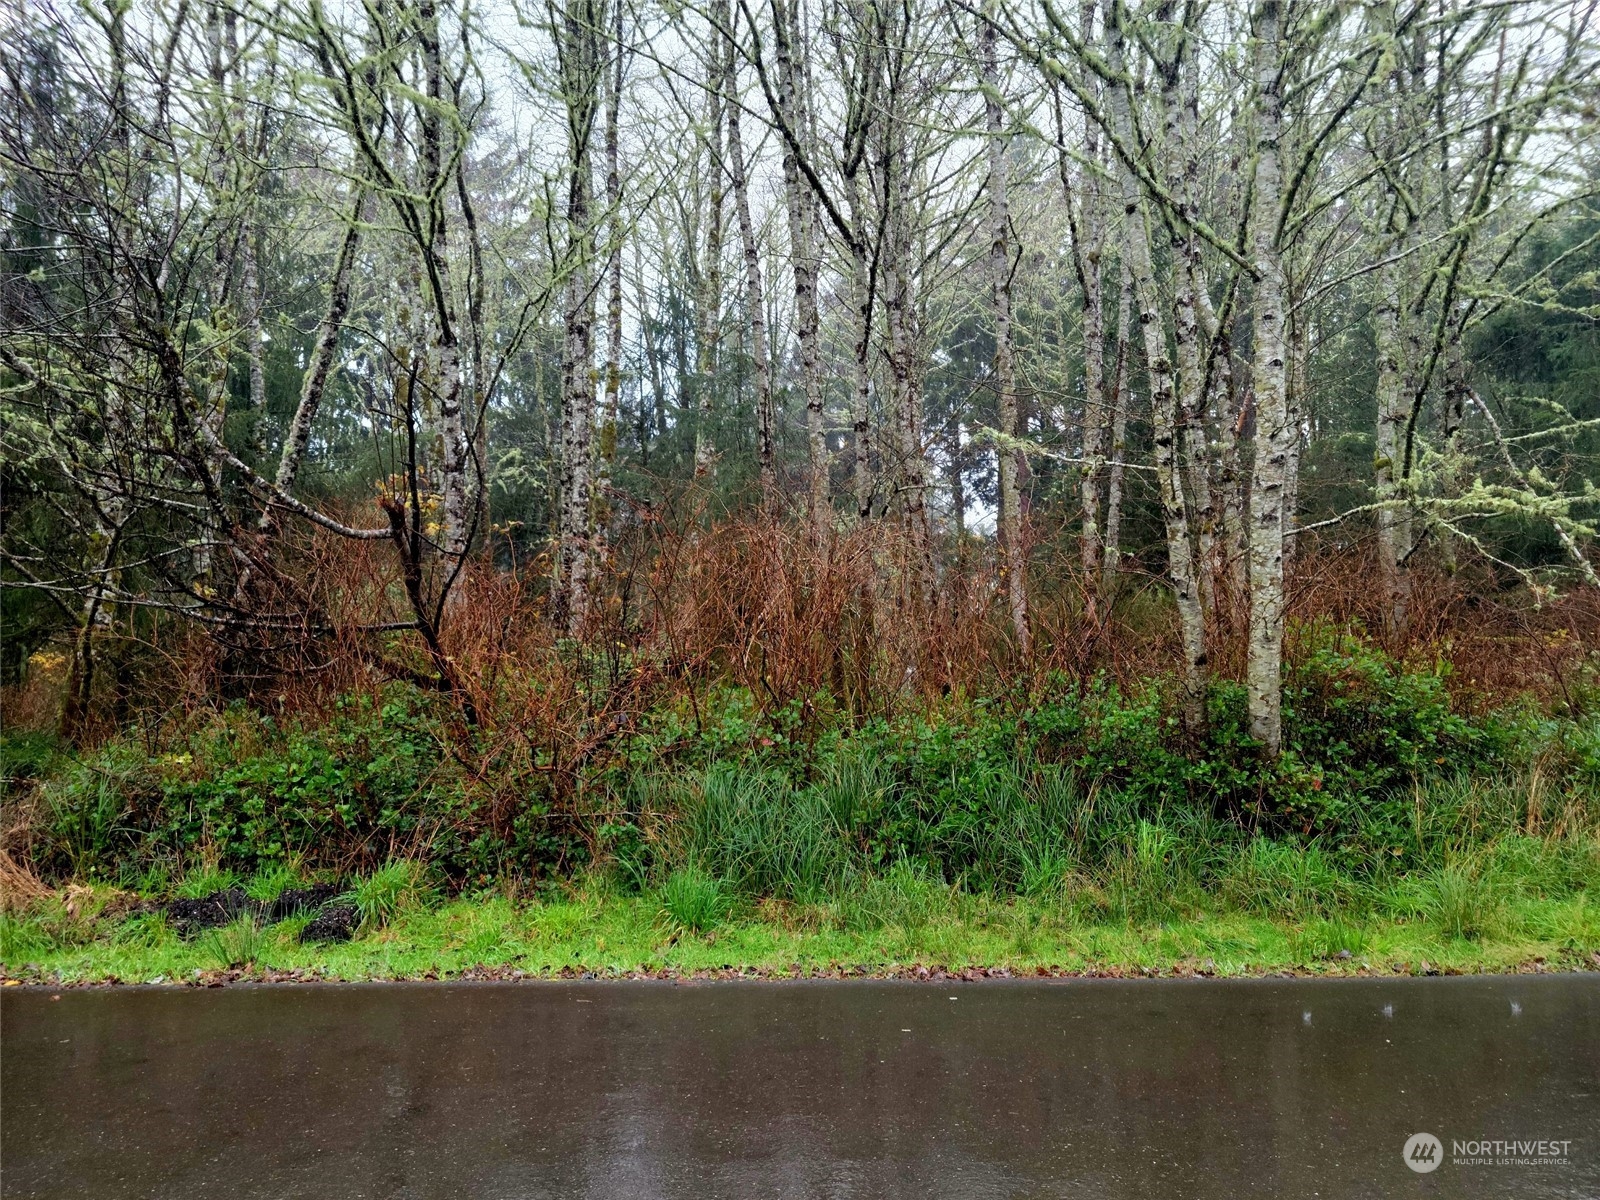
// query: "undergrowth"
[[1067, 805]]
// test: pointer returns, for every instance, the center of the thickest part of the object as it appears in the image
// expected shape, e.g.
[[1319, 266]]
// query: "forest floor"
[[615, 936]]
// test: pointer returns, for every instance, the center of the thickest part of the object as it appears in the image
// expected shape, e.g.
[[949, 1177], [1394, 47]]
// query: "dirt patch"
[[189, 917], [299, 900], [335, 923]]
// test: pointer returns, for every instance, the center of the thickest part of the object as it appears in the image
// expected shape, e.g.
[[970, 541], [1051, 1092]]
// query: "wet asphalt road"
[[1277, 1088]]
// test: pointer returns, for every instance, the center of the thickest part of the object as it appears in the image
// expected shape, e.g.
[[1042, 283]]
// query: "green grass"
[[240, 944], [204, 880], [878, 862], [884, 923], [387, 892], [693, 901], [269, 883]]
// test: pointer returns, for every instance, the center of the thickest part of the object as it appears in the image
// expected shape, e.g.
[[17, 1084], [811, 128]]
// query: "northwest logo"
[[1423, 1152]]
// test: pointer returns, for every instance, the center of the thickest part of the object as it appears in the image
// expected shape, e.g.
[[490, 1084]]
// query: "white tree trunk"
[[1097, 400], [1119, 400], [1181, 112], [1298, 405], [1163, 401], [1394, 409], [861, 302], [800, 206], [575, 507], [1005, 372], [708, 303], [605, 460], [1275, 443], [455, 454], [900, 313], [755, 298]]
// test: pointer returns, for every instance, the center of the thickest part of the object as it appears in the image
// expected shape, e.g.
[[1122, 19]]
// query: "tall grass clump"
[[1333, 937], [386, 892], [904, 895], [87, 827], [204, 879], [1271, 876], [269, 883], [1461, 900], [1147, 879], [694, 901], [1014, 831], [237, 945], [25, 935], [764, 836], [853, 789]]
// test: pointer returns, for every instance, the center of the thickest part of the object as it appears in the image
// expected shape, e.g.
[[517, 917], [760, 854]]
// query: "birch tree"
[[1005, 374], [580, 61], [1275, 440]]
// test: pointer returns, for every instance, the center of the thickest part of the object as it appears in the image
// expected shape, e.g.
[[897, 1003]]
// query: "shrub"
[[255, 796], [1009, 794], [370, 772], [1359, 730], [88, 813]]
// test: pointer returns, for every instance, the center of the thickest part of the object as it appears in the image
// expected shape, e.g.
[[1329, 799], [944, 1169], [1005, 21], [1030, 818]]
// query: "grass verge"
[[599, 932]]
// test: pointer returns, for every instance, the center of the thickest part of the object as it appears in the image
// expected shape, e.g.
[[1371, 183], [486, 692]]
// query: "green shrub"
[[89, 813], [368, 771], [1010, 794], [1578, 751], [255, 796], [1359, 730], [1132, 742]]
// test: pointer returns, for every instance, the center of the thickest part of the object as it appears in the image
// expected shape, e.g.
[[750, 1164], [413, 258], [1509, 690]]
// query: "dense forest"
[[993, 441]]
